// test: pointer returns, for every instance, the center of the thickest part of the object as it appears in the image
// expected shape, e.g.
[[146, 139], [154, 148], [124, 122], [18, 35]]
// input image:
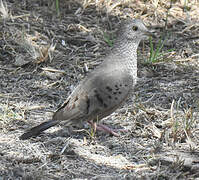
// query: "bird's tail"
[[35, 131]]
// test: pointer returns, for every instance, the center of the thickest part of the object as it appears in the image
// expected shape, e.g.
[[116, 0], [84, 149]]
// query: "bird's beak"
[[150, 33]]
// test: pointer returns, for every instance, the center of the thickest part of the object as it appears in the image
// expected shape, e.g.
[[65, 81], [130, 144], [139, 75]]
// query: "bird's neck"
[[126, 50]]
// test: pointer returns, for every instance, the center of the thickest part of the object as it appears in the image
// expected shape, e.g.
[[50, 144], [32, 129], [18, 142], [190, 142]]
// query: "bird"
[[107, 87]]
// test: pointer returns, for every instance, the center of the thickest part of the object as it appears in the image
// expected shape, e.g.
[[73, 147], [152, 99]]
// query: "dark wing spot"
[[88, 105], [109, 88], [125, 85], [116, 87], [100, 99], [109, 97], [115, 93], [105, 105], [116, 98], [120, 92]]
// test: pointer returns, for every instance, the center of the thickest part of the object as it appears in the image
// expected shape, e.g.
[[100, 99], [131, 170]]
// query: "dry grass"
[[43, 56]]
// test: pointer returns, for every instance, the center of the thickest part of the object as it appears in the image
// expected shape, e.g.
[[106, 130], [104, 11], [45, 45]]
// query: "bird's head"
[[134, 29]]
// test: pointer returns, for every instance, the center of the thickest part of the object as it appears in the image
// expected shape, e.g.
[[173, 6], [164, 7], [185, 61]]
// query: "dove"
[[104, 89]]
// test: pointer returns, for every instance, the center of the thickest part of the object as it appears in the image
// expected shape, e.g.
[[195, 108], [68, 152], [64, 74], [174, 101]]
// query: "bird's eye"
[[135, 28]]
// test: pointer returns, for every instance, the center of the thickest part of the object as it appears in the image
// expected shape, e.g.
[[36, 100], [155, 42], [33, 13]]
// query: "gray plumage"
[[107, 87]]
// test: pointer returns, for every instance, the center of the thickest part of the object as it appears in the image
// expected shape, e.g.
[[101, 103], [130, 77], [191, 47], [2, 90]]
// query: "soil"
[[44, 53]]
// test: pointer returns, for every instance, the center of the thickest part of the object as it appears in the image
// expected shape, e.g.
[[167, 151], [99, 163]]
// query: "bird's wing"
[[95, 97]]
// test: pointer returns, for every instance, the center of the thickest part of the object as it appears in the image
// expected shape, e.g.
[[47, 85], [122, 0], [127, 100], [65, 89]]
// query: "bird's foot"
[[106, 129]]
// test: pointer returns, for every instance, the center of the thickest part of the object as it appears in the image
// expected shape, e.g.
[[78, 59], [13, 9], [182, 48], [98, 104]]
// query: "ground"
[[46, 51]]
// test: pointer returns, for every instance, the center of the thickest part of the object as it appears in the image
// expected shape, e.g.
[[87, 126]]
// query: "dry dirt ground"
[[44, 53]]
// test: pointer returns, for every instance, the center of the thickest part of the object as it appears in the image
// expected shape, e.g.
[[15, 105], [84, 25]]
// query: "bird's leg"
[[106, 129]]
